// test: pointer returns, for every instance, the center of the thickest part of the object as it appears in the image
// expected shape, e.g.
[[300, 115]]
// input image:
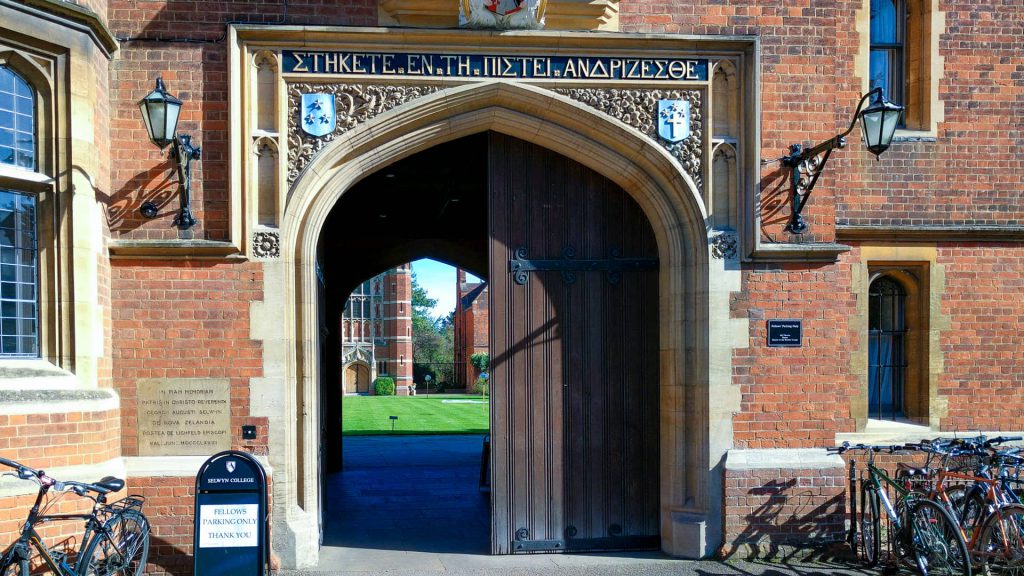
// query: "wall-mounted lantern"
[[160, 112], [878, 121]]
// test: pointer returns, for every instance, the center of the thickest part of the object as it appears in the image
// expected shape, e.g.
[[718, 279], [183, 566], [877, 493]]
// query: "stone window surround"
[[924, 66], [56, 49], [917, 270]]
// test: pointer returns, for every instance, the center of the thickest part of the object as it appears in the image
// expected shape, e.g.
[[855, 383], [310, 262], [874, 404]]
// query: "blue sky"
[[439, 281]]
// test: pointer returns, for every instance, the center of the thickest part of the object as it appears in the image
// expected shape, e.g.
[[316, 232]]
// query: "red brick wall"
[[170, 506], [195, 72], [186, 319], [809, 92], [768, 510], [795, 397], [983, 372], [60, 439]]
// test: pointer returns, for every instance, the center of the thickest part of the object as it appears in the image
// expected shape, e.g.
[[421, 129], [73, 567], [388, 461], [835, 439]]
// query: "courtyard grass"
[[367, 415]]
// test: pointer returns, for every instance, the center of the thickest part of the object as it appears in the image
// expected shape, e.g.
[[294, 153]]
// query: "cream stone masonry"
[[697, 336], [593, 15], [62, 70]]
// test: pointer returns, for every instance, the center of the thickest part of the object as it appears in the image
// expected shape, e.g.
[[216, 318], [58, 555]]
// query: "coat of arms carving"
[[317, 116], [502, 14]]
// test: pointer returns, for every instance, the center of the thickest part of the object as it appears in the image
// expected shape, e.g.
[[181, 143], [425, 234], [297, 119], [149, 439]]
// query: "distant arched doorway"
[[357, 378]]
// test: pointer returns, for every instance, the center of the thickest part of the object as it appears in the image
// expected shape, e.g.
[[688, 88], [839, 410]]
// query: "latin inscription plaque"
[[184, 417]]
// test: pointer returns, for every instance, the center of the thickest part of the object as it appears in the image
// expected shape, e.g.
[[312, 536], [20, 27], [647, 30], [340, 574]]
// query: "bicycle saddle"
[[907, 470], [111, 483]]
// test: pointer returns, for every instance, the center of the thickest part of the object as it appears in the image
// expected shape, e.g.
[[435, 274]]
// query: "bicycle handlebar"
[[846, 447], [39, 476]]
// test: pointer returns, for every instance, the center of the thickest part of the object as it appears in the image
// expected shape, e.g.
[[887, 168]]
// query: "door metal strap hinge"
[[519, 266]]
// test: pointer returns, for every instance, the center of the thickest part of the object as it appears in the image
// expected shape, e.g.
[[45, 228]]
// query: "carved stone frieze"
[[639, 108], [723, 245], [354, 104], [266, 245]]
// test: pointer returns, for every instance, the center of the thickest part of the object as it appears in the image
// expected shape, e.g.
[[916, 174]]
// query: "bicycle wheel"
[[868, 527], [1001, 544], [935, 541], [124, 552]]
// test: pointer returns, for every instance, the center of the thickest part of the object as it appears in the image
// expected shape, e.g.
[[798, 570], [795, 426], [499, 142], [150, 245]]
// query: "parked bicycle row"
[[115, 539], [961, 511]]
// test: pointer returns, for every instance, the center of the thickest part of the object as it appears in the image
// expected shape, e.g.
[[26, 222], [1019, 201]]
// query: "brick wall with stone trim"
[[184, 320], [778, 501]]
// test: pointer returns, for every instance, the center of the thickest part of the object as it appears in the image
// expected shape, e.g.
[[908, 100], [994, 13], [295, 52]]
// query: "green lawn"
[[364, 415]]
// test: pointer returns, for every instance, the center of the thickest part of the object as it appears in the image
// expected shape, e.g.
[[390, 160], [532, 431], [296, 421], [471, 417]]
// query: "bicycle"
[[922, 533], [990, 514], [116, 537]]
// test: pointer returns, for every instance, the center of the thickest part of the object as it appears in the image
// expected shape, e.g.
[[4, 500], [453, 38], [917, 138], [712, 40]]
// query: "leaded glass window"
[[887, 360], [888, 26], [19, 278], [17, 121]]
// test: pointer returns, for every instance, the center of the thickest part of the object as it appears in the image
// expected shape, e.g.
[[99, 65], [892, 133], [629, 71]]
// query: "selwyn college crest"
[[674, 120], [504, 7], [317, 115], [230, 465]]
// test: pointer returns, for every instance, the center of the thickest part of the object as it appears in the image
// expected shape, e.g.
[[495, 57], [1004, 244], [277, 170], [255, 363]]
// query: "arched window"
[[19, 277], [887, 358], [17, 121], [888, 25]]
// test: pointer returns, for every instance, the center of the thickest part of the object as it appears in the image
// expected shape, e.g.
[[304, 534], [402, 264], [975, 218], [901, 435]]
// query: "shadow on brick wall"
[[790, 520]]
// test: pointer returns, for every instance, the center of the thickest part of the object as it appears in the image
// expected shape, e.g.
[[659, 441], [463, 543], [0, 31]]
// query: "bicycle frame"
[[30, 538], [874, 475]]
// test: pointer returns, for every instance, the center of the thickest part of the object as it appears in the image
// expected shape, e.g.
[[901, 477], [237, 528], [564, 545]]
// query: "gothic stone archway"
[[424, 115]]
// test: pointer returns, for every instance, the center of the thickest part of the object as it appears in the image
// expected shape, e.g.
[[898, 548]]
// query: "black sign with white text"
[[495, 66], [785, 333], [231, 517]]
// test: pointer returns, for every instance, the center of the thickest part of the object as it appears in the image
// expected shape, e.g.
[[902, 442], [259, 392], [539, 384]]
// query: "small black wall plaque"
[[785, 333]]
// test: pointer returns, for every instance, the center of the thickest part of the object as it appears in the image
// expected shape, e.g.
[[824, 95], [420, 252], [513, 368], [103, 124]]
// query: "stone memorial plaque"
[[184, 417]]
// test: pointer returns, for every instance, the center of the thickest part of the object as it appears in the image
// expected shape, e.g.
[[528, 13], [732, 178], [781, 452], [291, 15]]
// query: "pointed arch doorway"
[[572, 262], [674, 210]]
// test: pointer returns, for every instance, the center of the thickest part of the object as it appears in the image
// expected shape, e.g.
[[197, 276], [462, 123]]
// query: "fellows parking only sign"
[[231, 516]]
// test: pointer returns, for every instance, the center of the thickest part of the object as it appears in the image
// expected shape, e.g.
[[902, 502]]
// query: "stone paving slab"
[[409, 506]]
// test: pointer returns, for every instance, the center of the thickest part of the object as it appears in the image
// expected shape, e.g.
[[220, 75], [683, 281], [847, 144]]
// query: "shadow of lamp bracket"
[[160, 112], [878, 121]]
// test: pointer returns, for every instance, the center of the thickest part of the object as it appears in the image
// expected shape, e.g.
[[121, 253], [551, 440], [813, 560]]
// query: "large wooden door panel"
[[574, 357]]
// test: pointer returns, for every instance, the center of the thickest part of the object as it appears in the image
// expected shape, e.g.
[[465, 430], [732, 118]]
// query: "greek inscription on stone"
[[183, 417], [496, 66]]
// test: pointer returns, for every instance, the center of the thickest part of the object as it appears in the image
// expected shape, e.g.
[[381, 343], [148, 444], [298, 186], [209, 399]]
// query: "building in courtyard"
[[376, 333], [471, 327], [678, 320]]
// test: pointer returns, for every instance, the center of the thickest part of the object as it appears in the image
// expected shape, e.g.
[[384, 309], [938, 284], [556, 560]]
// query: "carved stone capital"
[[723, 245], [266, 245], [639, 108]]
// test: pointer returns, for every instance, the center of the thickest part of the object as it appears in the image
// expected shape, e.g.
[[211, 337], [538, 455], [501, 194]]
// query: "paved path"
[[410, 506]]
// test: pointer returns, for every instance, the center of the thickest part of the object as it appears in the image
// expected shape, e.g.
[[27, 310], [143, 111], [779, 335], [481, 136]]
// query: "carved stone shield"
[[317, 115], [674, 120], [504, 7]]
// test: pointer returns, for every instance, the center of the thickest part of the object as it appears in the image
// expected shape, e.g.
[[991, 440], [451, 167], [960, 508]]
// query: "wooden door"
[[574, 355]]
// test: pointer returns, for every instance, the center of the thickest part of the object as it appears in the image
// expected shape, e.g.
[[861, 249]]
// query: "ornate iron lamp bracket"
[[519, 266], [184, 153], [807, 165]]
